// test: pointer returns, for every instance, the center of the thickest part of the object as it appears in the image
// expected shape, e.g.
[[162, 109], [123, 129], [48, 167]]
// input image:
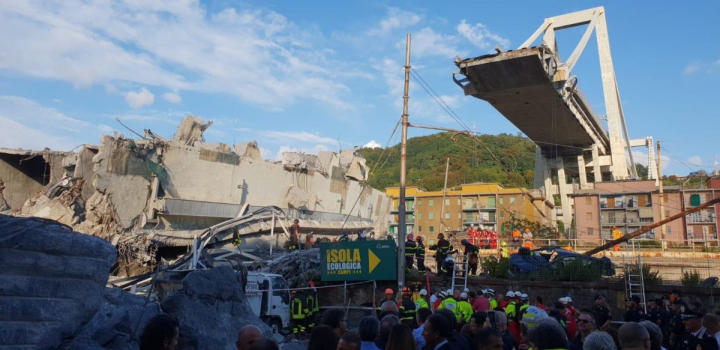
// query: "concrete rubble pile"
[[297, 267], [152, 193], [211, 309], [53, 295]]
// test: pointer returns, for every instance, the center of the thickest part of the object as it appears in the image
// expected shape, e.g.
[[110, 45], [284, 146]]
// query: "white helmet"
[[568, 299], [510, 294], [491, 291], [463, 295], [484, 291], [532, 315], [563, 300], [466, 290], [524, 296], [517, 293], [423, 292], [450, 291]]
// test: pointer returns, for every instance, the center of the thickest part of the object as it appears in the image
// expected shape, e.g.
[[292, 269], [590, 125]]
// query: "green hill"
[[468, 162]]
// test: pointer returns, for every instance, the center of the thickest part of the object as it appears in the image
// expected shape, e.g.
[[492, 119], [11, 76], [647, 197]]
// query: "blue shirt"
[[368, 345], [419, 339]]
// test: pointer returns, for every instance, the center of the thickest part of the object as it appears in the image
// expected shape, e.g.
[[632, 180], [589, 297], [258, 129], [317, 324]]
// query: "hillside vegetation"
[[468, 162]]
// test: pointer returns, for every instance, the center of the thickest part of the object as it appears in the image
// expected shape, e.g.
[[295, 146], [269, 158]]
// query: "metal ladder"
[[634, 279], [460, 272]]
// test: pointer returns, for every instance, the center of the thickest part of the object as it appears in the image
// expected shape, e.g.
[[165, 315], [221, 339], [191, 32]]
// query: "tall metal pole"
[[442, 210], [662, 197], [402, 228]]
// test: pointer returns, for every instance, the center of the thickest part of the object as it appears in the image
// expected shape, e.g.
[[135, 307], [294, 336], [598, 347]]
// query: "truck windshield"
[[279, 288]]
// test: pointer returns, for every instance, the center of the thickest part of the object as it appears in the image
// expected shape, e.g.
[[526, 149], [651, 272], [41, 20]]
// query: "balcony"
[[701, 219]]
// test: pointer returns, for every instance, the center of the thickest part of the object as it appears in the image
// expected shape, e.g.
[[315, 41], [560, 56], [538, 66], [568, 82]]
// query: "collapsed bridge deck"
[[519, 85]]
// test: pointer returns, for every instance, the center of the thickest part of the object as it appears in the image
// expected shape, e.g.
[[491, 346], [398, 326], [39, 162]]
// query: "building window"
[[419, 201], [501, 200], [590, 231], [502, 214], [419, 216], [432, 228], [447, 202], [588, 201], [419, 228], [431, 216], [588, 216], [512, 199], [459, 215], [447, 215], [431, 202], [694, 200], [668, 230], [459, 201]]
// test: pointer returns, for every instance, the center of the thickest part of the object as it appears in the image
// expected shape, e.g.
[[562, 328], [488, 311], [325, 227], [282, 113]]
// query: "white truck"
[[269, 299]]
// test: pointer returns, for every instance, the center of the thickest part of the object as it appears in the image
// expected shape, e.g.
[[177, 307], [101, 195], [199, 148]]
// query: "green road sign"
[[358, 261]]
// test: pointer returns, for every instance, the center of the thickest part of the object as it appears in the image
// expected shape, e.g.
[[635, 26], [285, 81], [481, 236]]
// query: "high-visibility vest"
[[421, 303], [296, 309], [510, 311], [420, 251], [452, 305], [493, 303], [309, 304], [505, 253], [410, 249], [466, 310]]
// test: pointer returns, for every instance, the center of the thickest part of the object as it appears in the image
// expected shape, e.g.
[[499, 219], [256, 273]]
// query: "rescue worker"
[[389, 296], [449, 266], [361, 236], [490, 295], [407, 309], [465, 309], [524, 304], [309, 241], [615, 235], [309, 308], [472, 234], [297, 313], [421, 302], [471, 254], [634, 313], [511, 312], [442, 249], [568, 313], [451, 304], [420, 255], [504, 251], [516, 238], [294, 243], [409, 252], [344, 237]]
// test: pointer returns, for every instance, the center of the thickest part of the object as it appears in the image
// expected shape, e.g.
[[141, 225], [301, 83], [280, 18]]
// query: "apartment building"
[[487, 206]]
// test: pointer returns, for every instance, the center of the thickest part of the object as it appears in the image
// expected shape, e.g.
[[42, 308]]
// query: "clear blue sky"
[[319, 75]]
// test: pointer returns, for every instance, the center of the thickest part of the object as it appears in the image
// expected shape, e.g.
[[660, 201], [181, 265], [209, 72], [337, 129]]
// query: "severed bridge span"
[[536, 90]]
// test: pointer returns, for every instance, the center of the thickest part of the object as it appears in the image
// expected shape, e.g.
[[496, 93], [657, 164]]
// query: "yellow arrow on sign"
[[374, 260]]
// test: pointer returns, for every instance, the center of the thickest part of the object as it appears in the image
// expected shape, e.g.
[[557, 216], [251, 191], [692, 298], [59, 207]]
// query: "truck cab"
[[269, 298]]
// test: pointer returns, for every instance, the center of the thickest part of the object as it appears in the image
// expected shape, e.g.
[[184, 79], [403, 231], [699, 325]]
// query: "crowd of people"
[[469, 320]]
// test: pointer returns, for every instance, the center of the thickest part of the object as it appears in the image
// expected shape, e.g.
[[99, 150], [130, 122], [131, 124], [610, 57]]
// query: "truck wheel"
[[276, 327]]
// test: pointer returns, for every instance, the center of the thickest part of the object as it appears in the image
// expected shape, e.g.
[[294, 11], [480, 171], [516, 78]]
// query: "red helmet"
[[406, 291], [410, 236], [389, 291], [311, 284], [419, 238]]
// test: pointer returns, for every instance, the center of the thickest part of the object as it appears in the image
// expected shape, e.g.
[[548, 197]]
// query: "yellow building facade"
[[487, 206]]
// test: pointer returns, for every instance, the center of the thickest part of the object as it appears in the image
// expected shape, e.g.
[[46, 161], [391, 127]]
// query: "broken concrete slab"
[[117, 324], [190, 130], [51, 280], [211, 308]]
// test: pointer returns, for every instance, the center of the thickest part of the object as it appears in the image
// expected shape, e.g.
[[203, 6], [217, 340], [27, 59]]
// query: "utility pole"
[[662, 197], [442, 210], [402, 226]]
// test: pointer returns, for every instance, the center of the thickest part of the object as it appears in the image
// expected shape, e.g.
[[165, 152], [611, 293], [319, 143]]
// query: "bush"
[[494, 267], [690, 278], [651, 277]]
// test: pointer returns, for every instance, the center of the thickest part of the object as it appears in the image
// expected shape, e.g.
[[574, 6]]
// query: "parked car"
[[555, 263]]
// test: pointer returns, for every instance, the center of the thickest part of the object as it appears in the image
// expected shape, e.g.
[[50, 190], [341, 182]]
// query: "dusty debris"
[[190, 130], [297, 267]]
